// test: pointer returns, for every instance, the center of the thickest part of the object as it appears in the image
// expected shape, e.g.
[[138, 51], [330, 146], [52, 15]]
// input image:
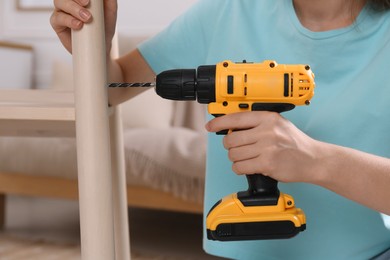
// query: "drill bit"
[[130, 85]]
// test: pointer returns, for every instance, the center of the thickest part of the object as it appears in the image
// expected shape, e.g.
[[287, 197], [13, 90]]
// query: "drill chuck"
[[177, 84], [187, 84]]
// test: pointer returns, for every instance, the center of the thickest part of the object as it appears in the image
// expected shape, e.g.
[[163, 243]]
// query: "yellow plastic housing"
[[239, 85], [231, 210]]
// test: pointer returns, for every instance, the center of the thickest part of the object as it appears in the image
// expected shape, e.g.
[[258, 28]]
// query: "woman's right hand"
[[73, 14]]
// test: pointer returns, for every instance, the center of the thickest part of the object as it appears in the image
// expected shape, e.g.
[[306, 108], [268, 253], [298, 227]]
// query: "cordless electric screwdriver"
[[262, 211]]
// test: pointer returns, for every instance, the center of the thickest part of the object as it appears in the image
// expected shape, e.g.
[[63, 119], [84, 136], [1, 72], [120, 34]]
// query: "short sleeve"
[[184, 42]]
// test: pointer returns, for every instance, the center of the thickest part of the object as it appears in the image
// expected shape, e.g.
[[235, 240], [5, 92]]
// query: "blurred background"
[[31, 57], [26, 22]]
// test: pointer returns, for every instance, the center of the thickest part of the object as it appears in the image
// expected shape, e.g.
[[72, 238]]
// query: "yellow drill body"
[[243, 87], [266, 82], [261, 212]]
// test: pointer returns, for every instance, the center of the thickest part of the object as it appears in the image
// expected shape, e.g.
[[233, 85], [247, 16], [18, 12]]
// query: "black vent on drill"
[[205, 87], [176, 84]]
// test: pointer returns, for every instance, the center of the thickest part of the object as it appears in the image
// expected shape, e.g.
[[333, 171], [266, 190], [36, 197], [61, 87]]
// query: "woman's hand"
[[269, 144], [73, 14]]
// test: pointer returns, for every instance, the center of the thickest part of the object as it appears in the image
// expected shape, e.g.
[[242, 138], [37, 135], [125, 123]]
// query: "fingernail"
[[76, 23], [85, 14], [84, 2], [207, 126]]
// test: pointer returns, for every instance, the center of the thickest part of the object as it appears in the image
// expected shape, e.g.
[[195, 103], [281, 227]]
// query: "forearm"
[[114, 71], [359, 176], [129, 68]]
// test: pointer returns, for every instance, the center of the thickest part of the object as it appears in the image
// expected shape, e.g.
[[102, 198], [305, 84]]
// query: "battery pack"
[[255, 231]]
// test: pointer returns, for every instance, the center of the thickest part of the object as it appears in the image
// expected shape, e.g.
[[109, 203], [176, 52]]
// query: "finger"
[[73, 8], [240, 138], [246, 167], [61, 21], [243, 153], [242, 120], [61, 3], [230, 121], [262, 163]]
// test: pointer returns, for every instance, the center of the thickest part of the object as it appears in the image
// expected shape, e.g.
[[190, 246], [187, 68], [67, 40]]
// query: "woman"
[[333, 154]]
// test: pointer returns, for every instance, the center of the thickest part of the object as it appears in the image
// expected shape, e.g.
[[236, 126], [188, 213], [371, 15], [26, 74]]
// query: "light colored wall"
[[138, 19]]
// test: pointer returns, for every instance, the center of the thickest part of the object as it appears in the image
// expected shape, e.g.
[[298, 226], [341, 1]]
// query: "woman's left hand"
[[268, 143]]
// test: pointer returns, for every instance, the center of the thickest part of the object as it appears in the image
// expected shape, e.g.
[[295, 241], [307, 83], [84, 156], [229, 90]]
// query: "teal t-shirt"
[[351, 107]]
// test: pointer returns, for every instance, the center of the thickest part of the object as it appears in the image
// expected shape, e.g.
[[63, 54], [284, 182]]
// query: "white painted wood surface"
[[27, 112], [93, 139], [119, 187]]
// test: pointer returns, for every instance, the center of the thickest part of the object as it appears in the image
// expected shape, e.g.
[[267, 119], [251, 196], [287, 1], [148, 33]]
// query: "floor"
[[158, 234]]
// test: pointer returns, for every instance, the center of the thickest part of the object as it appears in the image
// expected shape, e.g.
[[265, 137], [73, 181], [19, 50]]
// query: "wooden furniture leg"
[[121, 220], [93, 138], [119, 186]]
